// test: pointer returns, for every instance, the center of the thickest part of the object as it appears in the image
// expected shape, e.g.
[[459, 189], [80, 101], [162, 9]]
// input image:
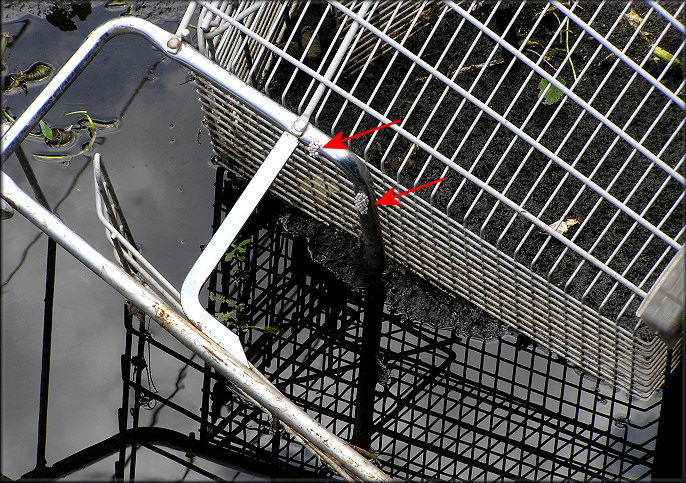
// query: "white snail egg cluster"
[[361, 203], [313, 148]]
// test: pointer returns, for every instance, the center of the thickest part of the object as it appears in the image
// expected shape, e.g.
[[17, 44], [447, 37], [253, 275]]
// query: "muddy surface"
[[509, 164], [407, 294]]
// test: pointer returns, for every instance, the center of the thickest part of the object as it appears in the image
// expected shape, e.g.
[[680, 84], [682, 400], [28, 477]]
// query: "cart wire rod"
[[667, 16], [141, 263], [570, 131], [226, 234], [591, 184], [459, 169], [244, 377], [244, 13], [277, 114], [609, 46], [587, 107], [335, 62], [185, 20], [477, 102]]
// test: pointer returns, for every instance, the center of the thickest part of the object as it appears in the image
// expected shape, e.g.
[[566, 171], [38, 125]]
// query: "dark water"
[[451, 392], [165, 184]]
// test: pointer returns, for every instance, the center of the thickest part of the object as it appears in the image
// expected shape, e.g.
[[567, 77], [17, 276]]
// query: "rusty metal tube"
[[244, 377]]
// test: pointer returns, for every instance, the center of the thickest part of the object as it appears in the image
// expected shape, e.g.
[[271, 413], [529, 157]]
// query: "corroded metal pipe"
[[244, 377]]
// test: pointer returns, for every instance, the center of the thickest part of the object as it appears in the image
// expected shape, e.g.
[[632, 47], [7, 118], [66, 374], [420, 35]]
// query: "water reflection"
[[86, 387], [422, 400], [431, 386], [61, 14]]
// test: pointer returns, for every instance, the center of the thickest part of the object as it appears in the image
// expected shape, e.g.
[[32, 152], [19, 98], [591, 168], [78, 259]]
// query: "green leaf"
[[553, 94], [236, 250], [45, 129], [84, 148], [224, 316]]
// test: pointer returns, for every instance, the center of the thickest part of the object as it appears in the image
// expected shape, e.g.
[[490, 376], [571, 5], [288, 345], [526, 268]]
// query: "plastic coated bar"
[[227, 233], [667, 16]]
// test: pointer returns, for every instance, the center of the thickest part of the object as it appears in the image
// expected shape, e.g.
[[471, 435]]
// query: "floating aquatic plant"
[[35, 73], [60, 137]]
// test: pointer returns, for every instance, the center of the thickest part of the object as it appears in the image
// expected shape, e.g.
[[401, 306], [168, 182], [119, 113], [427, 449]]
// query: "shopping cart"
[[557, 129]]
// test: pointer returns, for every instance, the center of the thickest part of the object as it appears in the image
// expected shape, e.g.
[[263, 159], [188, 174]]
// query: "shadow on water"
[[62, 16], [419, 399]]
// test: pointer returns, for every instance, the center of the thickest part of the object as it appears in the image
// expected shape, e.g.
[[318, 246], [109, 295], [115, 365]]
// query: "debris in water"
[[36, 72]]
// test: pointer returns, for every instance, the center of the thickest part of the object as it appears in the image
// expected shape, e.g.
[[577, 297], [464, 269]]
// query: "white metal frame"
[[454, 256], [214, 343]]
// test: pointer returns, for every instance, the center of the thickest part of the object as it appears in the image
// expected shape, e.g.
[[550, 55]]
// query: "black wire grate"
[[425, 401]]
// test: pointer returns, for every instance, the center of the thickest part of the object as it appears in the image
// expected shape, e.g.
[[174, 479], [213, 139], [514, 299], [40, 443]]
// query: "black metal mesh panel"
[[428, 401]]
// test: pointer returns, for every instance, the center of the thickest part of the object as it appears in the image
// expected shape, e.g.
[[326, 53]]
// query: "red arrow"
[[337, 142], [390, 199]]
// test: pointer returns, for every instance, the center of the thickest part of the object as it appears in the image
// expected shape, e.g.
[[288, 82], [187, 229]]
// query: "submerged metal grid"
[[442, 404], [606, 153]]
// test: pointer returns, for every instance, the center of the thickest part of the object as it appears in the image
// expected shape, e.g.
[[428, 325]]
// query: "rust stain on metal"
[[163, 316]]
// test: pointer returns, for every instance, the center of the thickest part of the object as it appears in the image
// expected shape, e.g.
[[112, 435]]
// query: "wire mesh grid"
[[535, 114], [425, 401]]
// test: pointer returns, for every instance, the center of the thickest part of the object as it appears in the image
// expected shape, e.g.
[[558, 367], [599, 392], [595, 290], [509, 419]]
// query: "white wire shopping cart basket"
[[556, 128]]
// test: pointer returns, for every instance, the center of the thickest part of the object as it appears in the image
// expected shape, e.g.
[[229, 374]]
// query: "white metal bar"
[[627, 60], [377, 87], [590, 109], [511, 127], [618, 174], [335, 62], [474, 100], [185, 20], [98, 173], [667, 16], [222, 28], [225, 235]]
